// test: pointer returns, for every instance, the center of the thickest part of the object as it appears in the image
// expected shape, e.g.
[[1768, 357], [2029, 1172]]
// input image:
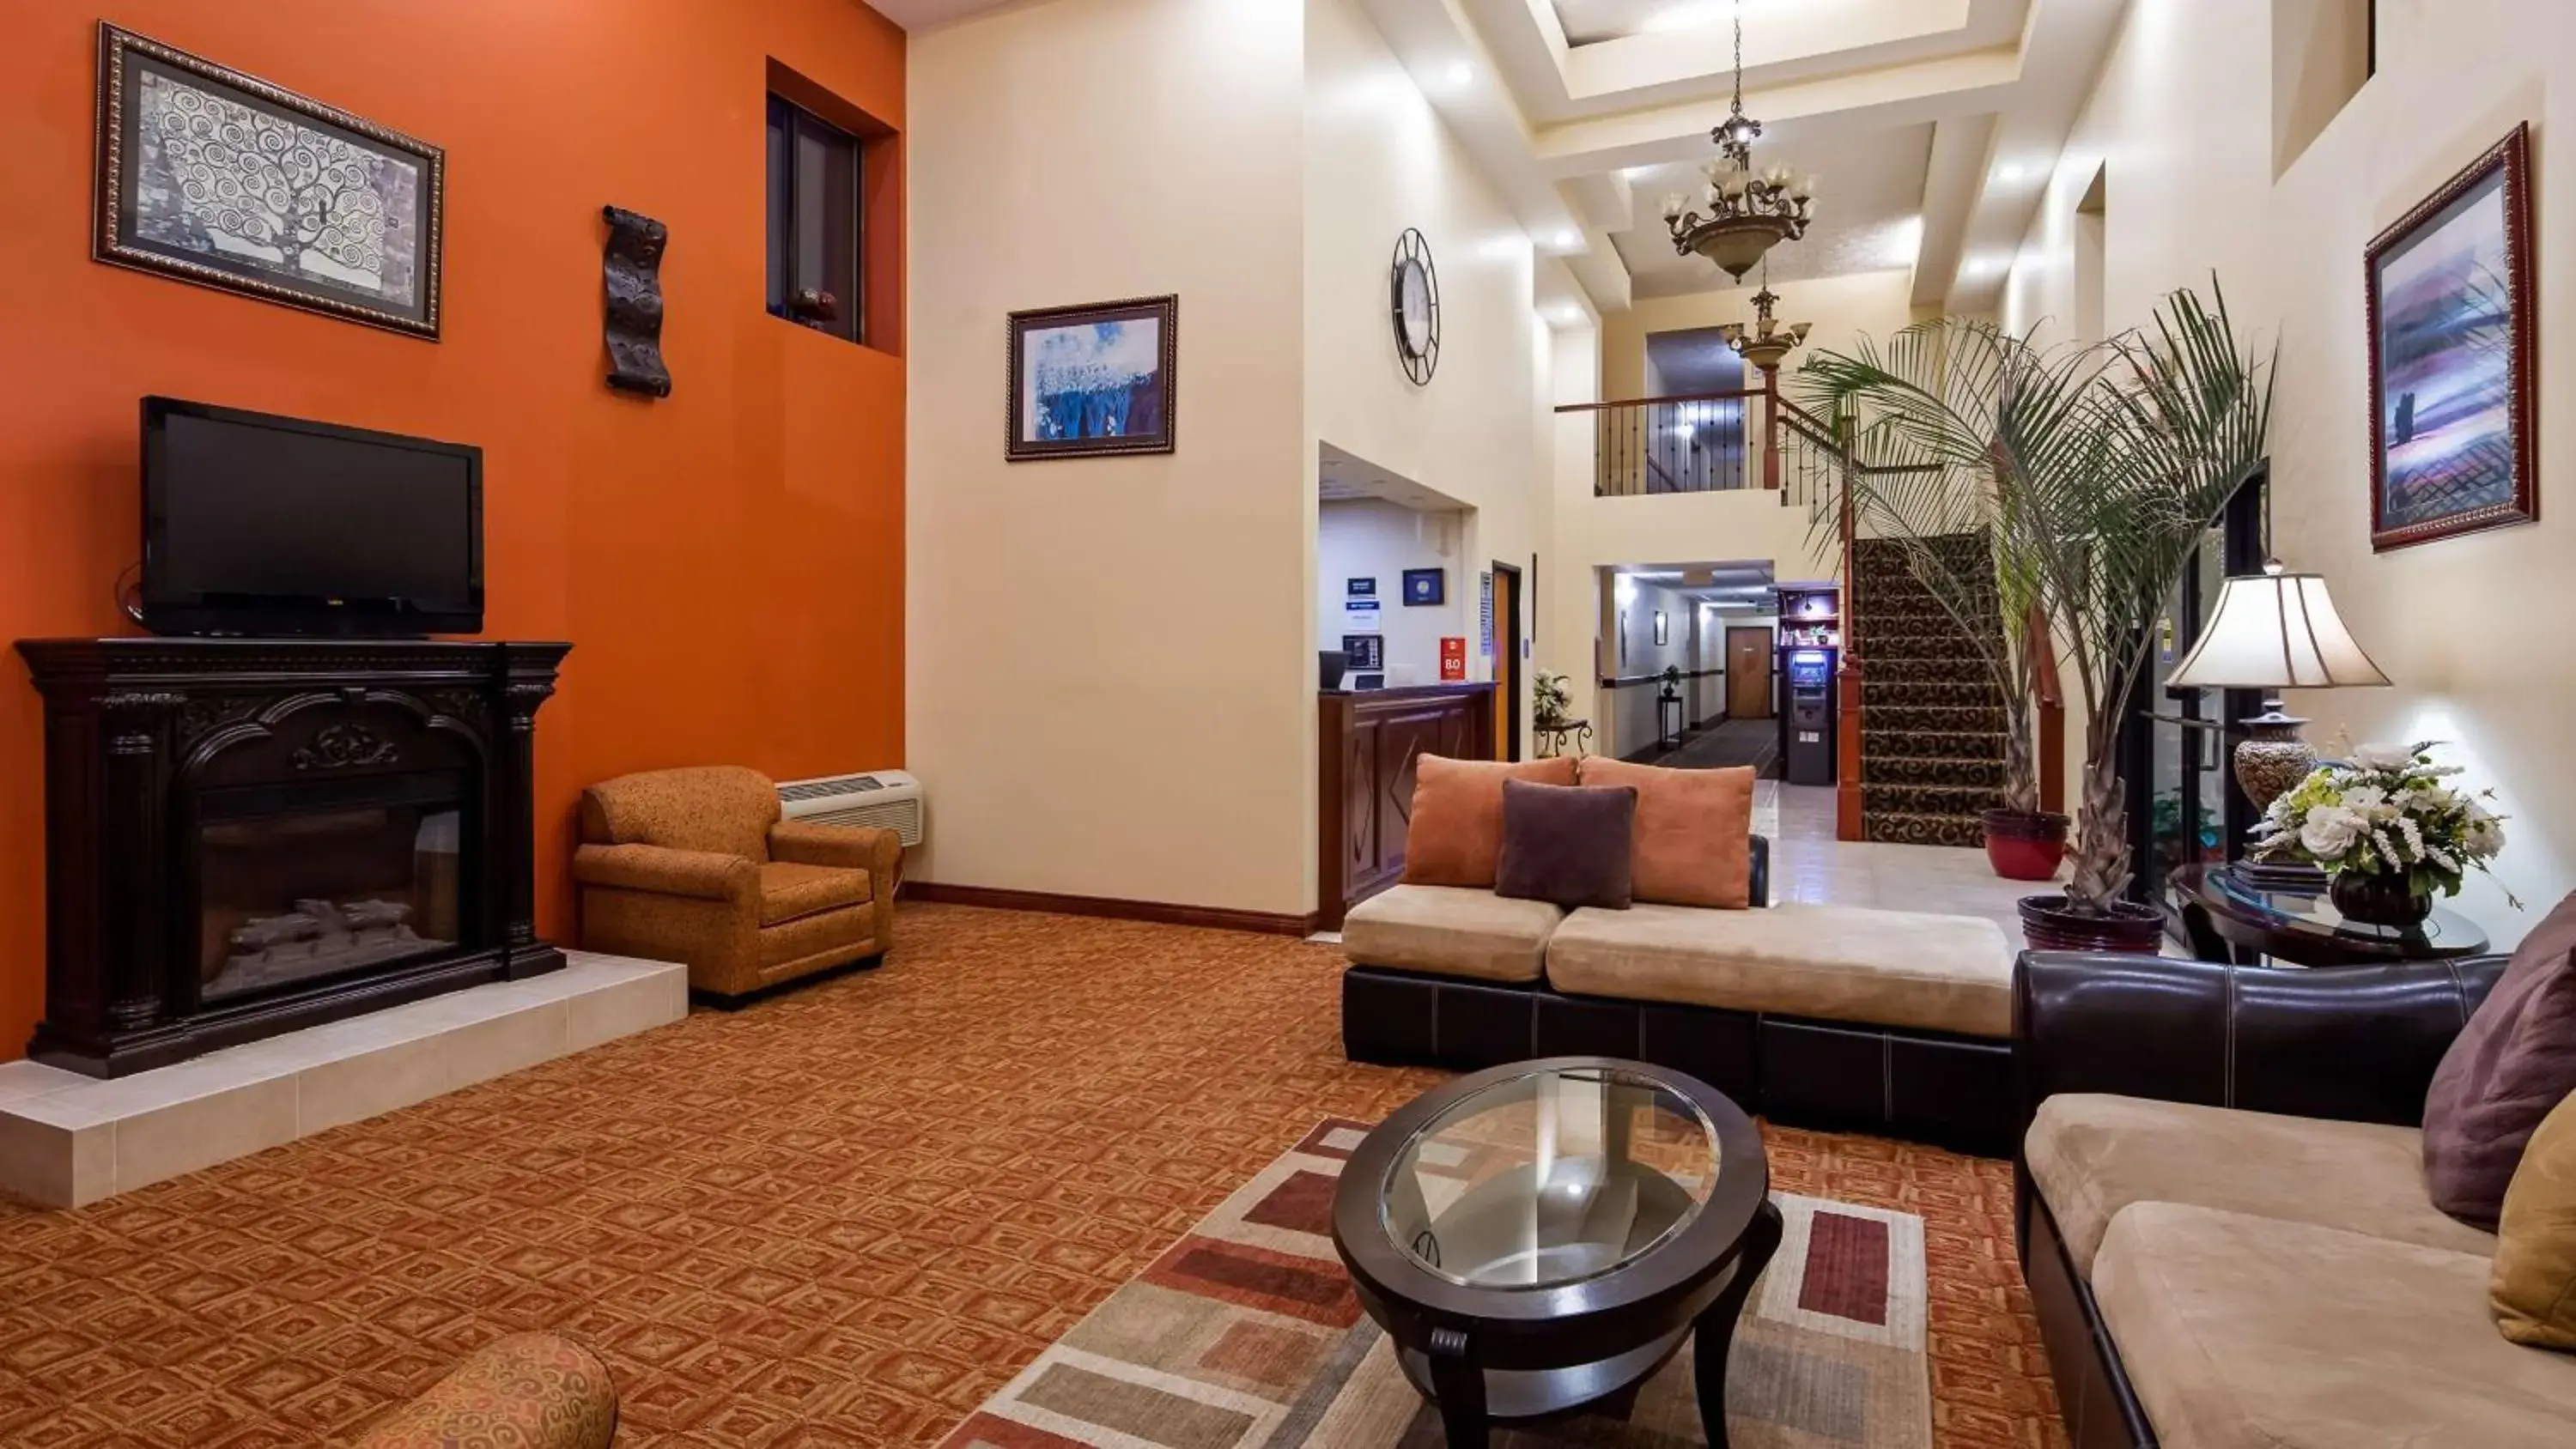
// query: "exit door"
[[1748, 673]]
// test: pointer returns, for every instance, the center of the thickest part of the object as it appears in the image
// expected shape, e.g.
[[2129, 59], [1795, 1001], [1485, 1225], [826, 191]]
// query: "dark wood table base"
[[1471, 1400]]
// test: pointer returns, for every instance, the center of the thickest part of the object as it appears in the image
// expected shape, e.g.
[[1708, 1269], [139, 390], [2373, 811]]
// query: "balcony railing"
[[1711, 442], [1687, 443]]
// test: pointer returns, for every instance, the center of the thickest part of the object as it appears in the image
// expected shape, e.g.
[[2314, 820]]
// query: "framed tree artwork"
[[2454, 436], [1093, 381], [220, 178]]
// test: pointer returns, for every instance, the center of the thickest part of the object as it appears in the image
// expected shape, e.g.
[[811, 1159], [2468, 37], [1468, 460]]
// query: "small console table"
[[1554, 739]]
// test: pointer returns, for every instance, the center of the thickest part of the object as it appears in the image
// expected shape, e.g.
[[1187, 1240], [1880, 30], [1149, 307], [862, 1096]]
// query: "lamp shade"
[[2275, 630]]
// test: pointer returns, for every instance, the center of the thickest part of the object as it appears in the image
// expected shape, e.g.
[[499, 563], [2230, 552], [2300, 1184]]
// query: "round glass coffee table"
[[1538, 1237]]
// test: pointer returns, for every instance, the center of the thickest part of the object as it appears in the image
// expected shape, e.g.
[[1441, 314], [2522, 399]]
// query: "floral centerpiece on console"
[[2388, 830]]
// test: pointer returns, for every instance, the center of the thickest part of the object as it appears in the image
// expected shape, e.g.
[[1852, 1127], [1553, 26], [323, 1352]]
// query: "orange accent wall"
[[728, 562]]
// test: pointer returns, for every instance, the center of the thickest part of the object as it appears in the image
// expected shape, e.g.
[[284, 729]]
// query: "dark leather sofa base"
[[2093, 1393], [1958, 1092]]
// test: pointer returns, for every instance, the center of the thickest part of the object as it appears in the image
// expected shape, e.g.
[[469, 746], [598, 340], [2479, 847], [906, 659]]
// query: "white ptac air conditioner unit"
[[888, 799]]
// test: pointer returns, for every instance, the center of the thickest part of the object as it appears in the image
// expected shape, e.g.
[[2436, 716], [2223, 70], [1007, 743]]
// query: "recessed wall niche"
[[2322, 52]]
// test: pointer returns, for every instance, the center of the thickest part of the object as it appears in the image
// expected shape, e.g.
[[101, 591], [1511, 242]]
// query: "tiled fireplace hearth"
[[246, 837]]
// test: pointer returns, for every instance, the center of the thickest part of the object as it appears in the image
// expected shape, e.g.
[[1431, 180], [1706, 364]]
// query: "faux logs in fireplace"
[[247, 836]]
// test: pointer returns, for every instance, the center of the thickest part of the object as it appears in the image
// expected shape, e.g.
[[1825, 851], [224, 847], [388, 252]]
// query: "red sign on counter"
[[1453, 660]]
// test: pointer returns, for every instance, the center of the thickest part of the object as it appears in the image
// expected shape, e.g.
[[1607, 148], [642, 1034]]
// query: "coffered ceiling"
[[1932, 123]]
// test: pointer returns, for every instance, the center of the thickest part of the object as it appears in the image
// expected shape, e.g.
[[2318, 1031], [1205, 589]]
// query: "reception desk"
[[1366, 745]]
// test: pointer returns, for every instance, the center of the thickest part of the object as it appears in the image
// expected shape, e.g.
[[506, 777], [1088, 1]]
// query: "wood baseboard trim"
[[1217, 918]]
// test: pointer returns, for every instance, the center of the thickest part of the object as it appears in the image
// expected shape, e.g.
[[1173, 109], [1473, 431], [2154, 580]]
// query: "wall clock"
[[1414, 288]]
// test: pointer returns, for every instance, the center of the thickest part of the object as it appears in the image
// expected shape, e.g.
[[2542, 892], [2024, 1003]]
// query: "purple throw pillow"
[[2514, 1061], [1570, 845]]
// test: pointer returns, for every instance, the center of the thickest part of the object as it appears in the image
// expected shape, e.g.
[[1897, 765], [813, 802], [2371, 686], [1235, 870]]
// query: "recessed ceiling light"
[[1461, 74], [2009, 173], [1568, 239]]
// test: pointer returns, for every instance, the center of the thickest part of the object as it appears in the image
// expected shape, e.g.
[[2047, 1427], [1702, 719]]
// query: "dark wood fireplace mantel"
[[155, 747]]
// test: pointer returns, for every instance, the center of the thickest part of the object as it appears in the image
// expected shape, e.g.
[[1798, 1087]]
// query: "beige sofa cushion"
[[2243, 1332], [1451, 931], [2093, 1155], [1840, 963]]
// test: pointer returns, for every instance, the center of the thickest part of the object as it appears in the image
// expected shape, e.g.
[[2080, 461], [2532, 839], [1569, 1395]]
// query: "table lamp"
[[2271, 631]]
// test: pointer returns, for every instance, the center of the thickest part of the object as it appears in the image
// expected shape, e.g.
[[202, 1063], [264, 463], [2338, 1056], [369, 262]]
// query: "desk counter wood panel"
[[1366, 745]]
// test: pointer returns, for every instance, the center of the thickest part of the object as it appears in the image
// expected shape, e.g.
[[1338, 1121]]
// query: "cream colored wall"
[[1569, 626], [1259, 158], [1111, 680], [2469, 629], [1379, 160]]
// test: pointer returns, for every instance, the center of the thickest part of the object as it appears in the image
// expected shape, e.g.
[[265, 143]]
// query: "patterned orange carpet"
[[844, 1217]]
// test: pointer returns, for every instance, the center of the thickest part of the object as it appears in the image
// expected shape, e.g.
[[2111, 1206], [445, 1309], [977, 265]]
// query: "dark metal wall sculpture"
[[634, 271]]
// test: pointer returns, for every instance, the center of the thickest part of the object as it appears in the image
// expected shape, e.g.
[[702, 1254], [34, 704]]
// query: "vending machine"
[[1807, 745]]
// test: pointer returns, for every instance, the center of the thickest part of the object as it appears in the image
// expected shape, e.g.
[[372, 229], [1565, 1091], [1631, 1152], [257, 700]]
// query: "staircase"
[[1932, 724]]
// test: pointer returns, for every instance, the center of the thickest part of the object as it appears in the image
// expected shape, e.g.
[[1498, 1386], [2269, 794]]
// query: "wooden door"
[[1507, 662], [1748, 673]]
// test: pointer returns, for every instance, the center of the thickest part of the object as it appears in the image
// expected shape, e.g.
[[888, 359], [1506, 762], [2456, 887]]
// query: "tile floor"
[[1809, 864]]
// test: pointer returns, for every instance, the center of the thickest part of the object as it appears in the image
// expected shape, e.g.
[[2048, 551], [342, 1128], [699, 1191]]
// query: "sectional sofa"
[[2223, 1216], [1833, 1016]]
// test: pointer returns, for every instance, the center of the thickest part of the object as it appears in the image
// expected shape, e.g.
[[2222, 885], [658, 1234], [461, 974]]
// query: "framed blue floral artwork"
[[1093, 381]]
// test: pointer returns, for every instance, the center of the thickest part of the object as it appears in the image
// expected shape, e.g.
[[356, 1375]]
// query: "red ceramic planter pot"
[[2025, 844]]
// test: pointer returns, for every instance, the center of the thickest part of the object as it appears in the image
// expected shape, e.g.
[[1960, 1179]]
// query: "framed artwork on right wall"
[[2449, 306]]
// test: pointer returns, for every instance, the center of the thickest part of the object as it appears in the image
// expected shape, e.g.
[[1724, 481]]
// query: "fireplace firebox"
[[247, 836]]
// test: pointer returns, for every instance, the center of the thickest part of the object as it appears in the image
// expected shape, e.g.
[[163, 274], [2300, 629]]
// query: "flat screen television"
[[255, 524]]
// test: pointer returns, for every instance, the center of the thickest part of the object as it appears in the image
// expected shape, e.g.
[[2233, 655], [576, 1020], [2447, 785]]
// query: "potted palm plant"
[[1945, 402], [2103, 468]]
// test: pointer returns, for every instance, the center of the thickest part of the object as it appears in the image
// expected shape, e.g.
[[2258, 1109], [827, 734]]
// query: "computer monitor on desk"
[[1330, 666], [1368, 681]]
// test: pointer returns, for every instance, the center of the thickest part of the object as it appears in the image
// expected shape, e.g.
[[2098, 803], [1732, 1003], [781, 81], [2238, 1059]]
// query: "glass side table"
[[2227, 914], [1546, 1234]]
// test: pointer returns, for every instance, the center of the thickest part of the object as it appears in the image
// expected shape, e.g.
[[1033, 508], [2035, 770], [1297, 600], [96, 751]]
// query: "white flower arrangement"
[[1549, 697], [2385, 812]]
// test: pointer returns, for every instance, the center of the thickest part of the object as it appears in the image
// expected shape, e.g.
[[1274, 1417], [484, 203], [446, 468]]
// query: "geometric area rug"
[[1245, 1335]]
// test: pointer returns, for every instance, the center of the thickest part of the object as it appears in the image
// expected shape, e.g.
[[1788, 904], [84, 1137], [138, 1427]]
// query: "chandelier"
[[1749, 212], [1765, 343]]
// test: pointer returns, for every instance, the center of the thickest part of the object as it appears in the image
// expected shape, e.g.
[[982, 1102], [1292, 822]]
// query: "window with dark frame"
[[814, 222]]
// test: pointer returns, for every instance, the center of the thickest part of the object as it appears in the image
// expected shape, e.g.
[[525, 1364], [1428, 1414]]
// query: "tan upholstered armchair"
[[696, 866], [529, 1390]]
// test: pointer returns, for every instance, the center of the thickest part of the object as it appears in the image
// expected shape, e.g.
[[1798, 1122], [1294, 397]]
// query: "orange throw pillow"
[[1694, 832], [1455, 836]]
